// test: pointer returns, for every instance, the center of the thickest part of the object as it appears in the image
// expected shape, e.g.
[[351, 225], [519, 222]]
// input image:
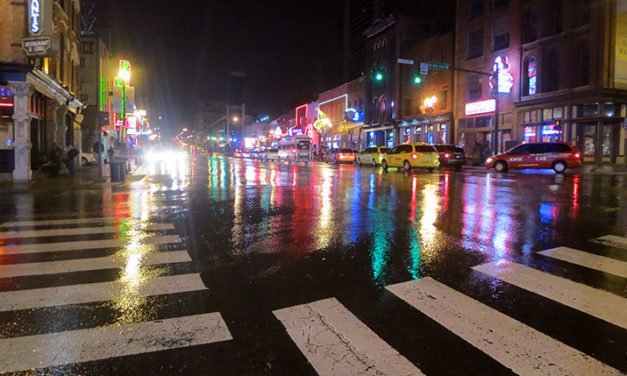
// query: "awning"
[[378, 129], [53, 90]]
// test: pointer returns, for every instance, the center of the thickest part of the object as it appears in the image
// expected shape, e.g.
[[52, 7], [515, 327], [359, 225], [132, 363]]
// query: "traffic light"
[[417, 80], [378, 75]]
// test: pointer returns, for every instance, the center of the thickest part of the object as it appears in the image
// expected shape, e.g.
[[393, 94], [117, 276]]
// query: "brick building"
[[39, 90]]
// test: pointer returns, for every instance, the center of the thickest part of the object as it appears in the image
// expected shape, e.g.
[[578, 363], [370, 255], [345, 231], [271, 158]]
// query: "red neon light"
[[6, 104]]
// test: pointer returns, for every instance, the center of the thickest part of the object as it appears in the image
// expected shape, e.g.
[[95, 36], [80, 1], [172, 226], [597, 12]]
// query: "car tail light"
[[381, 154], [447, 155], [415, 156], [341, 155], [577, 155]]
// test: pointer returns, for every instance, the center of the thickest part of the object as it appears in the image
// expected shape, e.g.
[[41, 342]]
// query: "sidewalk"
[[84, 178]]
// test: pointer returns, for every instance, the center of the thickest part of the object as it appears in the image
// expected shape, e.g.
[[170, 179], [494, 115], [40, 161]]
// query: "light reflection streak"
[[326, 209]]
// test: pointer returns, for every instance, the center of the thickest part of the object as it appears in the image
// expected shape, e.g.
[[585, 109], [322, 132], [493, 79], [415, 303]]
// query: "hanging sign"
[[39, 18]]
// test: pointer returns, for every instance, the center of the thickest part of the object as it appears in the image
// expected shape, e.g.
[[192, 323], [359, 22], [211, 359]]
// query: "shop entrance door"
[[587, 141]]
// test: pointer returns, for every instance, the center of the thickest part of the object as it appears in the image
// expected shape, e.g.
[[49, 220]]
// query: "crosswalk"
[[336, 342], [135, 247], [333, 339]]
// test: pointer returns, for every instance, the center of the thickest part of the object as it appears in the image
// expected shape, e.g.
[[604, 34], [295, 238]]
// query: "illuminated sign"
[[506, 80], [34, 17], [481, 107]]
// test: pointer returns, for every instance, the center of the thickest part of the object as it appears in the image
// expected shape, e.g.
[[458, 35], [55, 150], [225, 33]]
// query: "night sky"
[[183, 50]]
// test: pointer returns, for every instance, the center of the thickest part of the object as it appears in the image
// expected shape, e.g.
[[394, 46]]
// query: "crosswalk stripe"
[[57, 349], [100, 263], [80, 231], [612, 241], [60, 222], [517, 346], [588, 260], [96, 292], [336, 343], [83, 245], [594, 302]]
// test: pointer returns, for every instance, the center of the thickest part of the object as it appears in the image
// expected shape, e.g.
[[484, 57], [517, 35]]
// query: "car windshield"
[[449, 148], [384, 150], [425, 149], [345, 151]]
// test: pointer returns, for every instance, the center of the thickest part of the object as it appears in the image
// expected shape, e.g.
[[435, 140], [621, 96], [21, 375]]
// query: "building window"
[[531, 76], [475, 9], [474, 88], [88, 48], [475, 44], [554, 20], [82, 62], [500, 34], [499, 3], [530, 27], [582, 61], [550, 71]]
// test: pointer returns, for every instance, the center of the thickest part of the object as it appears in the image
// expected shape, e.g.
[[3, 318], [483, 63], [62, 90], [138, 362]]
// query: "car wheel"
[[559, 167], [384, 164], [84, 161], [406, 166], [500, 166]]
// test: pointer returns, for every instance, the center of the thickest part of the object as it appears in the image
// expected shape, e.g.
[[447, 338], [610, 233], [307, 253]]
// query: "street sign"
[[438, 66], [424, 69], [405, 61], [38, 46]]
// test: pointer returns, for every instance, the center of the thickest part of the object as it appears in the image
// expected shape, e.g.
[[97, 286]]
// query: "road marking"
[[78, 265], [84, 245], [81, 231], [96, 292], [335, 342], [612, 241], [517, 346], [60, 222], [588, 260], [84, 345], [594, 302]]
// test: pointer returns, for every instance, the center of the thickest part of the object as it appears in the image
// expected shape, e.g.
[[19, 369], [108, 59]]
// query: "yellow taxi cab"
[[410, 156], [371, 156]]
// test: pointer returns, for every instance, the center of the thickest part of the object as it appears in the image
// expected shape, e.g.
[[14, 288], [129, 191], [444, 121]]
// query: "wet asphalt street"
[[236, 267]]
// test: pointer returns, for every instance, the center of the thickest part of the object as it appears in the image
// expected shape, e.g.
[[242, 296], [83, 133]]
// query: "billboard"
[[620, 48]]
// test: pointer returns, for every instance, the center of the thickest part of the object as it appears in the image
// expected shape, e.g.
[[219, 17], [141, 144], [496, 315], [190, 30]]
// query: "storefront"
[[382, 136], [596, 129], [430, 130]]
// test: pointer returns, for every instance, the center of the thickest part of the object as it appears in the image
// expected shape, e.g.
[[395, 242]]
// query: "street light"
[[235, 119]]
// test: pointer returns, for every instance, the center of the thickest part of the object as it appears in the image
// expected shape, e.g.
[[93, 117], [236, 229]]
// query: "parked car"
[[410, 156], [340, 156], [272, 154], [88, 159], [371, 156], [556, 155], [451, 156]]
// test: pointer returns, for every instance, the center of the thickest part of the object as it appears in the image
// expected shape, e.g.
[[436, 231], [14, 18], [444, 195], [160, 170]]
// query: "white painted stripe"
[[85, 264], [96, 292], [612, 241], [588, 260], [336, 343], [84, 345], [60, 222], [517, 346], [594, 302], [81, 231], [83, 245]]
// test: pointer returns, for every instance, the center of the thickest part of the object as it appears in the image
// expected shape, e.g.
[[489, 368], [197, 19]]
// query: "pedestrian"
[[56, 154], [110, 154], [70, 154]]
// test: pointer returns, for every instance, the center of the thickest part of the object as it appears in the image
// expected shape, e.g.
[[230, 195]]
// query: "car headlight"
[[489, 160]]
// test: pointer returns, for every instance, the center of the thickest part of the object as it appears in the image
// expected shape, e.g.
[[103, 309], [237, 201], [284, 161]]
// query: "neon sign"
[[481, 107], [506, 80], [34, 17]]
